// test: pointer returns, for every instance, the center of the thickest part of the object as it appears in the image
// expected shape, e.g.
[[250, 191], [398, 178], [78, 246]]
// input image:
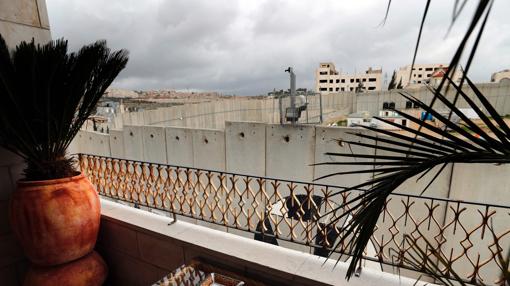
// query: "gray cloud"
[[242, 47]]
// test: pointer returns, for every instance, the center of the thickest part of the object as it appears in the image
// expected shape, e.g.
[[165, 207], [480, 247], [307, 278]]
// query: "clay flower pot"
[[87, 271], [55, 221]]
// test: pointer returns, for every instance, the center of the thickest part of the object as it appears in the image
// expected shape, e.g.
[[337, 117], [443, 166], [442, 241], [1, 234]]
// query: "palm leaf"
[[403, 164]]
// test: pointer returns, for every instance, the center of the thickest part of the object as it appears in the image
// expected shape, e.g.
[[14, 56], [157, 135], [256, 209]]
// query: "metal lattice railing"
[[470, 236]]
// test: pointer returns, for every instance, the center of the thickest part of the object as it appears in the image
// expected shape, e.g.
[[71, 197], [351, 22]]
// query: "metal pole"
[[292, 93]]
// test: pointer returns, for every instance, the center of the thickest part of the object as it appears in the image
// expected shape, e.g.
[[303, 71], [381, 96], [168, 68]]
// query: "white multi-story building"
[[422, 74], [501, 76], [328, 80]]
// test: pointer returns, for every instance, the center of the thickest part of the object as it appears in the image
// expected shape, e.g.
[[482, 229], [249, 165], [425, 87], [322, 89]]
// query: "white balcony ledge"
[[249, 256]]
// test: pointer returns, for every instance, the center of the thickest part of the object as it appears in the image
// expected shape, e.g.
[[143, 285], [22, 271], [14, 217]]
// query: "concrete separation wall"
[[214, 114], [285, 152], [290, 152]]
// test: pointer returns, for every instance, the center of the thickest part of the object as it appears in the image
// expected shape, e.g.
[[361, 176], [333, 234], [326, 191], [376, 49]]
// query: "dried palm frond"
[[417, 155]]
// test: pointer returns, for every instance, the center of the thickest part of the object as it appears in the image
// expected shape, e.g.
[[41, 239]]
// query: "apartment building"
[[501, 76], [421, 74], [328, 80]]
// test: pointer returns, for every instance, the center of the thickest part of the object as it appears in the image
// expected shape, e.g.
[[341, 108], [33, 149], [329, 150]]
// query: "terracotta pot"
[[87, 271], [55, 221]]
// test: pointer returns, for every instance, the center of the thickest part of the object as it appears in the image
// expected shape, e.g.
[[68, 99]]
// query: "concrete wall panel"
[[245, 148], [290, 152], [20, 11], [209, 149], [483, 183], [15, 33], [179, 146], [133, 142], [327, 141], [117, 143], [95, 143], [154, 144]]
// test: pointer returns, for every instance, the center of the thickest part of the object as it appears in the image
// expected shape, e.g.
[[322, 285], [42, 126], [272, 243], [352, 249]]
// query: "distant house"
[[364, 119], [501, 76]]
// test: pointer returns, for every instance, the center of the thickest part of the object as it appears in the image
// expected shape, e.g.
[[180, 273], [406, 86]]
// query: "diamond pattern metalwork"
[[470, 236]]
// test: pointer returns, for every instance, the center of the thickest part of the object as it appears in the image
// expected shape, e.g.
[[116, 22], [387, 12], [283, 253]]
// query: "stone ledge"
[[264, 258]]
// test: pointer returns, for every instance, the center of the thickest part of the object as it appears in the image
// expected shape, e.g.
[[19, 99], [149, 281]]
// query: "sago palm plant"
[[46, 95]]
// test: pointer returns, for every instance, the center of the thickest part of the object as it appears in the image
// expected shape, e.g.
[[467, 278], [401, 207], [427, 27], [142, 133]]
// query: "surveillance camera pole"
[[292, 92]]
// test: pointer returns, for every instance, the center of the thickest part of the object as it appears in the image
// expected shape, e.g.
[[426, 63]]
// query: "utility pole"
[[292, 94]]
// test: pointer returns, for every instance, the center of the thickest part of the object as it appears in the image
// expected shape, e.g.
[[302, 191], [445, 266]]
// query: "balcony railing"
[[470, 236]]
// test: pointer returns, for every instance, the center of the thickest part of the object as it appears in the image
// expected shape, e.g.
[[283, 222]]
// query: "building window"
[[342, 89], [330, 81], [352, 80], [343, 80], [404, 122], [429, 75], [409, 104], [419, 81], [419, 75], [337, 81], [428, 69], [364, 80], [330, 89], [372, 79], [323, 81], [337, 89], [323, 73], [351, 89], [323, 89], [420, 69], [371, 88]]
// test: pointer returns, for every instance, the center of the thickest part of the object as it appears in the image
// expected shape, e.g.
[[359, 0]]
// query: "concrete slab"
[[245, 148], [154, 144], [133, 142], [117, 143], [179, 146], [209, 149], [290, 152]]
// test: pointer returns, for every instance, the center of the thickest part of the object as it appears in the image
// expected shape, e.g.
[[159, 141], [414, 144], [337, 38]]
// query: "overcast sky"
[[242, 47]]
